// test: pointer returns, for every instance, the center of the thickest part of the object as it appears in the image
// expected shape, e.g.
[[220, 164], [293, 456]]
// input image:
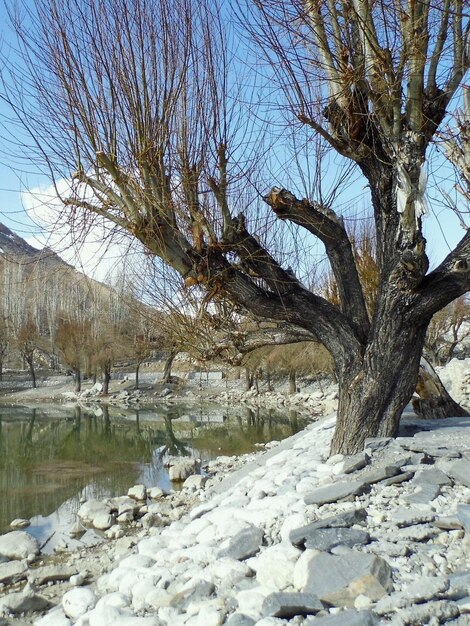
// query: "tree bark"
[[249, 379], [166, 378], [137, 369], [376, 387], [78, 380], [32, 372], [106, 379], [292, 382]]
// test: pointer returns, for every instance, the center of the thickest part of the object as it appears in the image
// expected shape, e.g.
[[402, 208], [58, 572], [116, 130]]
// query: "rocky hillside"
[[13, 248]]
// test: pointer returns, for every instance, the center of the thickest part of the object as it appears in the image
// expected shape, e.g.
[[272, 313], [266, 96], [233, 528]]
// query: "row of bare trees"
[[54, 315]]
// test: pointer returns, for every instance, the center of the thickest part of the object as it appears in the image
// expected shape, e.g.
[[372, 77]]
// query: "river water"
[[52, 457]]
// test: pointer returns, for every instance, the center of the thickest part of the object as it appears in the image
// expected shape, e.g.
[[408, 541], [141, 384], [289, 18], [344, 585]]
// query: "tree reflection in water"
[[49, 457]]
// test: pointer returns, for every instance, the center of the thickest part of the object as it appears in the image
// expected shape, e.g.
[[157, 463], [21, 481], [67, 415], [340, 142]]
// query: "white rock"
[[77, 579], [362, 602], [18, 545], [56, 617], [296, 520], [195, 482], [137, 492], [20, 523], [137, 561], [103, 521], [250, 601], [155, 493], [77, 602], [301, 568], [115, 599], [274, 567], [227, 571], [92, 508], [210, 616]]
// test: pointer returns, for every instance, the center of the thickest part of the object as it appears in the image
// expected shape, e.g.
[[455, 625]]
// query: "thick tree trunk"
[[137, 368], [166, 378], [78, 380], [292, 382], [32, 372], [375, 389], [249, 379], [106, 379]]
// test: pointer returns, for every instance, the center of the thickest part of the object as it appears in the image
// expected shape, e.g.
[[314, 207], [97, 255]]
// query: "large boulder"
[[18, 545], [339, 579], [91, 509], [181, 469]]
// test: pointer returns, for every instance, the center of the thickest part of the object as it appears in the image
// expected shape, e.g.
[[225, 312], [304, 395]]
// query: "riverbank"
[[315, 397], [296, 538]]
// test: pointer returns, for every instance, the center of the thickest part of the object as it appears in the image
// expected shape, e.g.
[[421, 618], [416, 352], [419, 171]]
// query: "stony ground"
[[290, 538]]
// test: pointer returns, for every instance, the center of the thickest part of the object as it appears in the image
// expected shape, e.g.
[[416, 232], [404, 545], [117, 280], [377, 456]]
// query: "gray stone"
[[288, 605], [420, 532], [377, 474], [395, 480], [424, 494], [238, 619], [18, 545], [327, 538], [433, 476], [23, 601], [377, 443], [430, 449], [459, 584], [201, 590], [355, 462], [51, 573], [460, 471], [419, 614], [428, 484], [411, 517], [244, 544], [463, 515], [448, 523], [417, 592], [464, 604], [336, 491], [12, 572], [298, 536], [338, 580], [345, 618]]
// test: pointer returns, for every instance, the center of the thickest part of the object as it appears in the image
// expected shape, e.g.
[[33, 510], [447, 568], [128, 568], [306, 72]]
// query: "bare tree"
[[136, 98], [72, 340], [27, 342]]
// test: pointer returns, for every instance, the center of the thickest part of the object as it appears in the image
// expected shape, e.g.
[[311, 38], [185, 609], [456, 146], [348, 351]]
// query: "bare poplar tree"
[[134, 101]]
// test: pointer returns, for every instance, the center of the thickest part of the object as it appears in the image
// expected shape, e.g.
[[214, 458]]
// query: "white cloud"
[[88, 242]]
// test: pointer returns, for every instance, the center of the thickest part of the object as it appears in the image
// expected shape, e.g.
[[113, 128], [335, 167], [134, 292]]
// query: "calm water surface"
[[50, 459]]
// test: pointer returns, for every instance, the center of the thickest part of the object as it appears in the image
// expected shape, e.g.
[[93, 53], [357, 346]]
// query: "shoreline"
[[248, 552]]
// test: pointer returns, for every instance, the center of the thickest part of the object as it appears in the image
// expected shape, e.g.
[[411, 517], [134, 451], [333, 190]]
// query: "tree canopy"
[[161, 129]]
